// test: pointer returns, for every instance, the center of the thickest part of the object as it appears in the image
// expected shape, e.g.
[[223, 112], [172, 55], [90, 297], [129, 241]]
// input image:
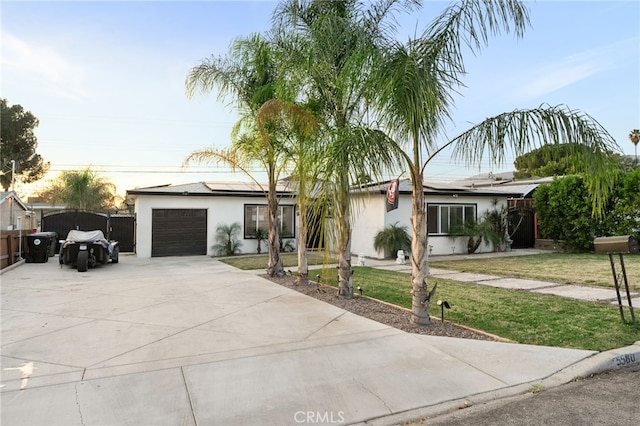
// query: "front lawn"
[[564, 268], [517, 315], [520, 316]]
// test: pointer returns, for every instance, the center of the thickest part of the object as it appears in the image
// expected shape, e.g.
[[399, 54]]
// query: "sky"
[[107, 79]]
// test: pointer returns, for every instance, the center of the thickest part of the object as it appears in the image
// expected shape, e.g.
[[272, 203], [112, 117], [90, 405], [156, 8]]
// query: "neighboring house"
[[444, 203], [175, 220], [14, 214], [42, 209]]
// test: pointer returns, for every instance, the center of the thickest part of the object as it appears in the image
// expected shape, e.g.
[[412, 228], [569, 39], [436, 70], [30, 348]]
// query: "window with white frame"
[[442, 218], [256, 217]]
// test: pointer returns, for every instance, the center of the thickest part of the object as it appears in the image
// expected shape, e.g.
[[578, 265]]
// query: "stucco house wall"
[[370, 217], [221, 210], [226, 205]]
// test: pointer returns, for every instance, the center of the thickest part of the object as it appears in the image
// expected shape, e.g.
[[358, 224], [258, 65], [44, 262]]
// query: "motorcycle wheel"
[[115, 254], [83, 261]]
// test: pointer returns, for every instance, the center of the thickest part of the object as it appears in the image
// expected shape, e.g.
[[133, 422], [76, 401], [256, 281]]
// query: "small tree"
[[260, 235], [227, 239], [391, 239], [81, 190]]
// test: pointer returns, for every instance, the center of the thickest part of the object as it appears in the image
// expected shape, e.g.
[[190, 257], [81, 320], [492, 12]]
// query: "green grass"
[[565, 268], [520, 316]]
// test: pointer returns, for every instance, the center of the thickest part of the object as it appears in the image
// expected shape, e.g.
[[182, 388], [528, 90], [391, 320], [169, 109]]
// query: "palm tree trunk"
[[419, 263], [345, 277], [275, 264], [303, 265]]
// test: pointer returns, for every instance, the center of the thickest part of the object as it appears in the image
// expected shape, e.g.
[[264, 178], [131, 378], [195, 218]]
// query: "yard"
[[564, 268], [520, 316]]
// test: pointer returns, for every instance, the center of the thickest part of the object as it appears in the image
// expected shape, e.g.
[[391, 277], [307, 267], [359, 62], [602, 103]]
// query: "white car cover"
[[85, 236]]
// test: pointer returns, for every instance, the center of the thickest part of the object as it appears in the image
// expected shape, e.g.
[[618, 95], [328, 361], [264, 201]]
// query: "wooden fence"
[[10, 247]]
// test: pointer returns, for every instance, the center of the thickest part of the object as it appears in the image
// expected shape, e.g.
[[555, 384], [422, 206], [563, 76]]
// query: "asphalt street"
[[608, 398]]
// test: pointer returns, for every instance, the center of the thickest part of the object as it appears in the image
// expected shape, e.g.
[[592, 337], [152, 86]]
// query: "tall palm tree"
[[331, 45], [634, 137], [297, 130], [415, 82], [249, 74]]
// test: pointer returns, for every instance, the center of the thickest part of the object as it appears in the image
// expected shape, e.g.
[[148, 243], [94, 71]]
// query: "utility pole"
[[11, 212]]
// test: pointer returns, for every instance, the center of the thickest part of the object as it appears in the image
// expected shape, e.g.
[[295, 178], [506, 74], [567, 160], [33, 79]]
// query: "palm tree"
[[248, 73], [634, 137], [331, 45], [415, 83], [298, 132], [391, 239], [81, 190], [227, 243]]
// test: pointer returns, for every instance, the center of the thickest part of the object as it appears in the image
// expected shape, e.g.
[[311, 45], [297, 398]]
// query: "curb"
[[14, 266], [614, 359], [600, 362]]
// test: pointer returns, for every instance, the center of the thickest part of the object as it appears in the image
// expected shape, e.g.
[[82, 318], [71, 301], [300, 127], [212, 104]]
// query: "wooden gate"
[[117, 227]]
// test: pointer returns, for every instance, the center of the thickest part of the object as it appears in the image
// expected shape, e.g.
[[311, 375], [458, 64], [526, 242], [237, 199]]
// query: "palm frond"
[[521, 131]]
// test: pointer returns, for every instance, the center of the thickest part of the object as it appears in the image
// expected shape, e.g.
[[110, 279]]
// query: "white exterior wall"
[[446, 245], [220, 210], [370, 216]]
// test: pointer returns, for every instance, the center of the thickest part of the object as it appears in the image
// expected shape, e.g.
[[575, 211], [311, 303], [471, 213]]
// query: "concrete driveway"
[[192, 341]]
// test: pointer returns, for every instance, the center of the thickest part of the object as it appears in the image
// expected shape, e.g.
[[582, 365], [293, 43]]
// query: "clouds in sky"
[[112, 74], [42, 67], [571, 69]]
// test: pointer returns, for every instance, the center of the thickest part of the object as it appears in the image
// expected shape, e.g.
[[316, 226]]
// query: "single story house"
[[444, 202], [14, 214], [174, 220], [182, 219]]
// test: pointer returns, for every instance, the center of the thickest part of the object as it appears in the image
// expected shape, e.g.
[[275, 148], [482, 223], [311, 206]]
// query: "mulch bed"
[[382, 312]]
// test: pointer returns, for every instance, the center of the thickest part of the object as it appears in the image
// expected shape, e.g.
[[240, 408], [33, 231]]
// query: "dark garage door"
[[178, 232]]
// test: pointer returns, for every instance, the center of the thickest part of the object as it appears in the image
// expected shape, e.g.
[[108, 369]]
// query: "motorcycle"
[[86, 249]]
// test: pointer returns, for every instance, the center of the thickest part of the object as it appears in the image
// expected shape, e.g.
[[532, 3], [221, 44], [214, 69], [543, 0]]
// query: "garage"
[[178, 232]]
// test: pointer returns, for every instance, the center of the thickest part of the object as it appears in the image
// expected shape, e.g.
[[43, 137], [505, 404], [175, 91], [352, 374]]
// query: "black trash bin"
[[41, 246]]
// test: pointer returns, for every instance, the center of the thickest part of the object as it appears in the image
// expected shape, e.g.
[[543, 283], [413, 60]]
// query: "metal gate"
[[117, 227], [522, 227]]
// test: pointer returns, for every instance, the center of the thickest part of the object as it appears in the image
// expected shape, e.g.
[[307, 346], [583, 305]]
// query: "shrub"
[[392, 239], [227, 242]]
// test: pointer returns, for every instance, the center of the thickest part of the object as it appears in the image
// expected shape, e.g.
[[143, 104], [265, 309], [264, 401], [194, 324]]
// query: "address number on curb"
[[627, 359]]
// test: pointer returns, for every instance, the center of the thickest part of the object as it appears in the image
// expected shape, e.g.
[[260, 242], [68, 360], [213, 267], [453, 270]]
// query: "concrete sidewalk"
[[578, 292], [193, 341]]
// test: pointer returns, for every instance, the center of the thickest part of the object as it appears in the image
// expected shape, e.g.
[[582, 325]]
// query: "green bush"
[[227, 243], [392, 239], [564, 211]]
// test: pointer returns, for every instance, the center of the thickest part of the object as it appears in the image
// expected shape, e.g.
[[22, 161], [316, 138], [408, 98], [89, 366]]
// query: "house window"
[[443, 218], [256, 216]]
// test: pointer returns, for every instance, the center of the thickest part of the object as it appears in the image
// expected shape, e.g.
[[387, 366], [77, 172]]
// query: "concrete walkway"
[[579, 292], [192, 341]]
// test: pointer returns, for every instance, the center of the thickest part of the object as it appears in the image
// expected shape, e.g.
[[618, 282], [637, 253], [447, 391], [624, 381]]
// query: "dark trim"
[[244, 217], [209, 194]]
